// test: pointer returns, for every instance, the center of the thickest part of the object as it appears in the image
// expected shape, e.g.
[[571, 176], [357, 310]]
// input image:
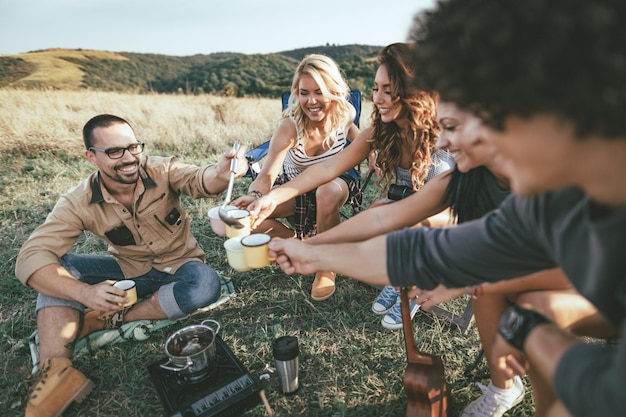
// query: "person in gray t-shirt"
[[548, 81]]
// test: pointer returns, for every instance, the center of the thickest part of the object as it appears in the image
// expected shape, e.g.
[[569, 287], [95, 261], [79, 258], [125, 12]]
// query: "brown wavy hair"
[[418, 107]]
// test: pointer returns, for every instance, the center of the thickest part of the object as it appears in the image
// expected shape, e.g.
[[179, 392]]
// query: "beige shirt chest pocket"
[[162, 223]]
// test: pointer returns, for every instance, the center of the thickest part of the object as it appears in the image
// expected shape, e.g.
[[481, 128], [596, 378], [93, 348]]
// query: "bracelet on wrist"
[[256, 193]]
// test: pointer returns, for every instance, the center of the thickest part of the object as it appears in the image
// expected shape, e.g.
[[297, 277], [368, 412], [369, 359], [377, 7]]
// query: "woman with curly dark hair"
[[404, 132]]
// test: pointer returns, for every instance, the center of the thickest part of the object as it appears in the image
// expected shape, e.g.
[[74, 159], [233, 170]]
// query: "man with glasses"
[[133, 203]]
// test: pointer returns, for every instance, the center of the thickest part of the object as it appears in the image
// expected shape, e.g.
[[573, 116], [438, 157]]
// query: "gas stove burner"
[[198, 376], [225, 388]]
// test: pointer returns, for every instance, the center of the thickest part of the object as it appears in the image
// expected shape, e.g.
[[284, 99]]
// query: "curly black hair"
[[503, 58]]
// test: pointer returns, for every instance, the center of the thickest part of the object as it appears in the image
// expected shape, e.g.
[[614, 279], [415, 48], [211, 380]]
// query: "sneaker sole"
[[381, 312]]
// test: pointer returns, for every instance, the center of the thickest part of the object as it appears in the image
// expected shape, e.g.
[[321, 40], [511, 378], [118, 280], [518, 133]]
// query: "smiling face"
[[124, 170], [312, 100], [540, 154], [461, 135], [382, 99]]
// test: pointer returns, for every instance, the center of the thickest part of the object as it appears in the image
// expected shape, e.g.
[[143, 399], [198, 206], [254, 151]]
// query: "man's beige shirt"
[[156, 234]]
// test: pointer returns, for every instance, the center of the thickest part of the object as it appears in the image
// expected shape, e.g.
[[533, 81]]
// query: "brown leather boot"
[[96, 320], [323, 285], [58, 386]]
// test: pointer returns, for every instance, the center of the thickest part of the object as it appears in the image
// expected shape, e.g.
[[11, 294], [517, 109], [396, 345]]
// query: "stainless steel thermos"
[[286, 355]]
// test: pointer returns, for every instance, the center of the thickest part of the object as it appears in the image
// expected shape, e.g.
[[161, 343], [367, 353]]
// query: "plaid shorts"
[[305, 215]]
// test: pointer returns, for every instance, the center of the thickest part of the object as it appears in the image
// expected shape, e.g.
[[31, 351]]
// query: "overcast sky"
[[188, 27]]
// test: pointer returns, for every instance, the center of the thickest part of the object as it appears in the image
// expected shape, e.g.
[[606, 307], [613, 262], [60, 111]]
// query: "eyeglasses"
[[117, 153]]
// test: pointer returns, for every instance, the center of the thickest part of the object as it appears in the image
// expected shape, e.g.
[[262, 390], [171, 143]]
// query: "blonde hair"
[[334, 87]]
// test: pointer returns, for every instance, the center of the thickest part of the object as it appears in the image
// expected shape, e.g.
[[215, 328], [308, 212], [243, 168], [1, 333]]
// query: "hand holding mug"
[[256, 250], [131, 291]]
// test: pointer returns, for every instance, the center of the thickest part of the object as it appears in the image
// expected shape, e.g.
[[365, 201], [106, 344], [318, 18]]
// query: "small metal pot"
[[192, 348]]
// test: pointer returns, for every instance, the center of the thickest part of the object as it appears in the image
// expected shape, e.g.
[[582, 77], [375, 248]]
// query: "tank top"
[[296, 160], [440, 161]]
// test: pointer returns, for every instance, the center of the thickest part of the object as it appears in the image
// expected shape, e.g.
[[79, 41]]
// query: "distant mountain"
[[230, 74]]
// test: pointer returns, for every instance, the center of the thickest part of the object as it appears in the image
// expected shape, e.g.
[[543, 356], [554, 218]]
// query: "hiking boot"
[[385, 300], [96, 320], [323, 285], [495, 401], [393, 319], [58, 386]]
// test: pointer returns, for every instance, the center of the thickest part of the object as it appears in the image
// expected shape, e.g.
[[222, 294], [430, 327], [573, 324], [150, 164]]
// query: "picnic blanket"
[[136, 330]]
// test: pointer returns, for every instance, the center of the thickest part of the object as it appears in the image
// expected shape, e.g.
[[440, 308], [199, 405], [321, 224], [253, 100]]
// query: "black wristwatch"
[[516, 323]]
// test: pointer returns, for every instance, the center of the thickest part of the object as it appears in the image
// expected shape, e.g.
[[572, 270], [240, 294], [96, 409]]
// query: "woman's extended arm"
[[383, 219], [315, 176], [283, 139]]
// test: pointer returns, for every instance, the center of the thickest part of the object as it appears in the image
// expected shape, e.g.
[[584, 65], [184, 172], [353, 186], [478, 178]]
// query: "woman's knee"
[[332, 195]]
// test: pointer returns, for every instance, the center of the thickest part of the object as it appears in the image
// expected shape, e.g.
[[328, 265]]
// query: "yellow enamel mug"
[[131, 291], [256, 250], [234, 254], [244, 218]]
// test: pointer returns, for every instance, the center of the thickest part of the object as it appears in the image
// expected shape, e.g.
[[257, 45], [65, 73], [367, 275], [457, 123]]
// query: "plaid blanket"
[[135, 330]]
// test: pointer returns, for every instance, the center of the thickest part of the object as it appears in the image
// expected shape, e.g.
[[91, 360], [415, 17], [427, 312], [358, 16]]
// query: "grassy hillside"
[[227, 74]]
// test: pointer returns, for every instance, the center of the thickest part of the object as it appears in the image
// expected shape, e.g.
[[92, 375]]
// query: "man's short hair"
[[101, 120]]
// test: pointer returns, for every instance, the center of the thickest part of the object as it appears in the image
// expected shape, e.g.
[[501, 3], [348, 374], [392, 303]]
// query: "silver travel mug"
[[286, 355]]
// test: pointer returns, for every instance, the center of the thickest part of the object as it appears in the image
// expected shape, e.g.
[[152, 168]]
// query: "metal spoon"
[[233, 222]]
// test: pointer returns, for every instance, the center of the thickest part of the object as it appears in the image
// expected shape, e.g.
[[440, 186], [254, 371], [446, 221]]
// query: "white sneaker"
[[495, 404]]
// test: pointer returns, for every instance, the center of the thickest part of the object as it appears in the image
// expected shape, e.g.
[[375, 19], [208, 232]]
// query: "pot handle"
[[214, 321], [174, 368]]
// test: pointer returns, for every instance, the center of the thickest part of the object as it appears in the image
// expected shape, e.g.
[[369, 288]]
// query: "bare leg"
[[570, 311], [487, 310], [275, 228], [329, 199], [57, 328]]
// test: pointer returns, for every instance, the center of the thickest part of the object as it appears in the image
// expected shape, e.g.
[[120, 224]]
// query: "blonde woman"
[[317, 124]]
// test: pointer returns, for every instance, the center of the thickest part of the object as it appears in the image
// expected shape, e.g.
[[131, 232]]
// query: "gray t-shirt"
[[524, 235]]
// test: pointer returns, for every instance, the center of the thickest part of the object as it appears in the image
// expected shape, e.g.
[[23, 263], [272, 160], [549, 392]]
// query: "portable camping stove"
[[224, 388]]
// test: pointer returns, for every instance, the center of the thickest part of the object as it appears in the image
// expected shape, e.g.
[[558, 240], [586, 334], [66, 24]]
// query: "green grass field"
[[350, 365]]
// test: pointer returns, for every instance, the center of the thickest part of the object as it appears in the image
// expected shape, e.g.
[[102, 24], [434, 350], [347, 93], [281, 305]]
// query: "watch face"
[[511, 320], [509, 324]]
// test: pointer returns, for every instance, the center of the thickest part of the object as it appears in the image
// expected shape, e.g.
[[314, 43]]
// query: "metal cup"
[[286, 355]]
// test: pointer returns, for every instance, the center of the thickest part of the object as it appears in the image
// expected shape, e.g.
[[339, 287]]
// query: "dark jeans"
[[194, 285]]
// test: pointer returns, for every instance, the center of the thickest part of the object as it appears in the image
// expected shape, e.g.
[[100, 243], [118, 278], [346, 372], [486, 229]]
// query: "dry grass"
[[350, 366], [54, 119]]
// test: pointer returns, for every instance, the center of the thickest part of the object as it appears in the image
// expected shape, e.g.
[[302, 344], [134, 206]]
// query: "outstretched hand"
[[260, 209], [292, 255], [430, 298], [243, 202]]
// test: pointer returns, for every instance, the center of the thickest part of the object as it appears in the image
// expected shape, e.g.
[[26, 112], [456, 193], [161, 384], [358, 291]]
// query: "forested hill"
[[229, 74]]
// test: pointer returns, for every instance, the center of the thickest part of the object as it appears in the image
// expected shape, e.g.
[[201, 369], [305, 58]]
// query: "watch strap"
[[516, 324]]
